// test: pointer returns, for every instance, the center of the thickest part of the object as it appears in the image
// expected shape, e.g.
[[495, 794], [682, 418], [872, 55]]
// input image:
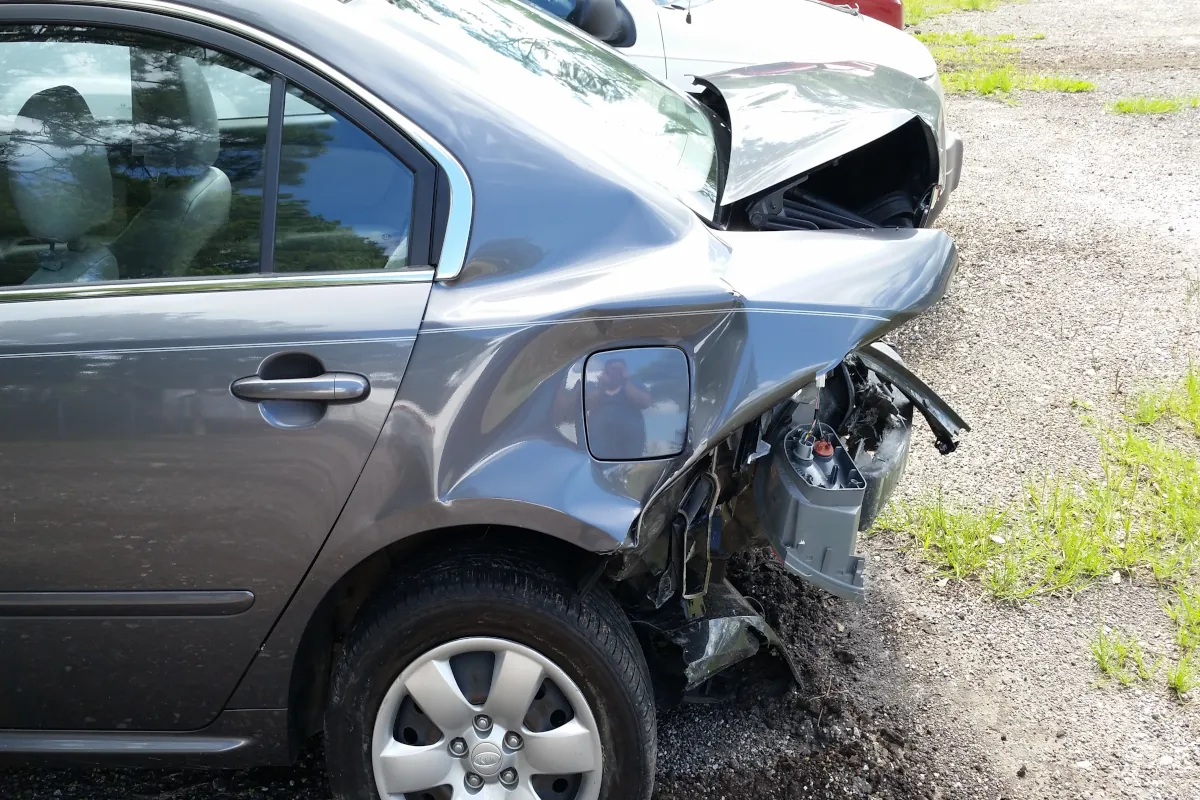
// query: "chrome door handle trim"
[[332, 387]]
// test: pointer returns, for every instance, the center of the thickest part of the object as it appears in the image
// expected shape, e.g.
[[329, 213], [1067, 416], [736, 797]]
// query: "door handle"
[[332, 387]]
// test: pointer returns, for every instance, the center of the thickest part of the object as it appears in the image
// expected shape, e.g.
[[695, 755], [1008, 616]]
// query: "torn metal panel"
[[692, 651]]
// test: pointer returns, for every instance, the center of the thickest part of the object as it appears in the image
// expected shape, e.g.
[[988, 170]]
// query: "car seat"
[[61, 186], [177, 140]]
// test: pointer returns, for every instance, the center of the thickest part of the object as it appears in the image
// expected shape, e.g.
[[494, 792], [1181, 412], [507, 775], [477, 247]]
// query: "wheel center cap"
[[486, 759]]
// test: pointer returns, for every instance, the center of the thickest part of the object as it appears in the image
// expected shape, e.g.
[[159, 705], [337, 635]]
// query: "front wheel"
[[491, 678]]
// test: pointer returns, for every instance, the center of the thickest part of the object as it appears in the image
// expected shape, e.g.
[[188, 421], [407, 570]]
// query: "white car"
[[678, 40]]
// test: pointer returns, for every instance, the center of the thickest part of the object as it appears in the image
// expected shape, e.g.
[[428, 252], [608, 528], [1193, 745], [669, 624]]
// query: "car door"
[[213, 264]]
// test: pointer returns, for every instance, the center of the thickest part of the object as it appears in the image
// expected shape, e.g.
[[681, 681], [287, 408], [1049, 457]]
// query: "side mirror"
[[600, 18]]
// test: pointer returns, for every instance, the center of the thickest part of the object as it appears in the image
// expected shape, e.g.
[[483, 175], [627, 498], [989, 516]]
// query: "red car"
[[889, 11]]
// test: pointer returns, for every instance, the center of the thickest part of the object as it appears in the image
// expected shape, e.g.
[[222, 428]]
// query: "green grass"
[[961, 38], [1153, 105], [1180, 402], [1182, 676], [917, 11], [1136, 514], [959, 543], [1054, 83], [971, 63], [1145, 105], [1121, 658], [1184, 609], [1006, 79], [1037, 37]]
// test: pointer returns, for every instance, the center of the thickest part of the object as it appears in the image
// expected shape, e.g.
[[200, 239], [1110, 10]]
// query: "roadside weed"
[[1121, 658], [1138, 513], [1184, 609], [986, 65], [1182, 676], [1147, 408], [959, 543], [1145, 105], [1135, 513], [1054, 83], [980, 81], [961, 38], [917, 11], [1152, 105], [1005, 79], [1008, 576], [1037, 37]]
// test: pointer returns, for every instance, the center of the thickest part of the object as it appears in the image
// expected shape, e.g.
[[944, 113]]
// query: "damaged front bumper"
[[813, 495]]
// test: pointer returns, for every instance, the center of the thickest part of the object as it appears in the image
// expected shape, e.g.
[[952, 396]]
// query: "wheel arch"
[[343, 601]]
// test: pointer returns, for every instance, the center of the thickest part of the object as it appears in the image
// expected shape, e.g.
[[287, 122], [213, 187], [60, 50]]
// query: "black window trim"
[[271, 159], [428, 212]]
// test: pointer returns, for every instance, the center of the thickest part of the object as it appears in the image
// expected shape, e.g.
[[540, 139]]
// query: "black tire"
[[504, 594]]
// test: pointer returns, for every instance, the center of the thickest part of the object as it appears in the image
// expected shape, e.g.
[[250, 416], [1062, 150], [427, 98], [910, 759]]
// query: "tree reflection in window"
[[345, 202]]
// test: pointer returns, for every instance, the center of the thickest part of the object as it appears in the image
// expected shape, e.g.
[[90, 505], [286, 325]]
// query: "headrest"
[[175, 120], [58, 167]]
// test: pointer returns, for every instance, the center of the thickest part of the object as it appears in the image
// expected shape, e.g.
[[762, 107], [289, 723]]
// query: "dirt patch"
[[843, 732]]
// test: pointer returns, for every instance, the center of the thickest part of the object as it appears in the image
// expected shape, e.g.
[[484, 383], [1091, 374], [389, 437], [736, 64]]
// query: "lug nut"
[[508, 777], [512, 740], [458, 748], [473, 781], [483, 723]]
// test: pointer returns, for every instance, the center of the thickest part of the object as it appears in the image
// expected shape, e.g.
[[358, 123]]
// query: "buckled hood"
[[786, 119]]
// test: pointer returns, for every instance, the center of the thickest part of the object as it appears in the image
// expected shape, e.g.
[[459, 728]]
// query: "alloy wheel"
[[485, 719]]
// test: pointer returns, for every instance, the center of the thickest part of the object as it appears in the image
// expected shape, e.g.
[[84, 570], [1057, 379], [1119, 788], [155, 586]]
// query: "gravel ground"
[[1080, 236]]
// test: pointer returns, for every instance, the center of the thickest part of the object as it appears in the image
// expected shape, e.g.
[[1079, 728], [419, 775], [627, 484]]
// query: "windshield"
[[579, 90]]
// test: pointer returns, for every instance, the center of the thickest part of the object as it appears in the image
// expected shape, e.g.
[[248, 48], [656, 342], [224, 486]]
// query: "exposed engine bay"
[[871, 160], [803, 479], [886, 184]]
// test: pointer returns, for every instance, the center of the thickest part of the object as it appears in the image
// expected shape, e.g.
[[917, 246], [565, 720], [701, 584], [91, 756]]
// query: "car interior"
[[158, 171]]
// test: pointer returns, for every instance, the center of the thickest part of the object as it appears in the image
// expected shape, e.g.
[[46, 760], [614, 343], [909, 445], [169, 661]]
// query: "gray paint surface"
[[570, 253], [128, 465]]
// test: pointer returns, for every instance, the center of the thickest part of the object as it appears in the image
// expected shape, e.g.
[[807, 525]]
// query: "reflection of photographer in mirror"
[[616, 410]]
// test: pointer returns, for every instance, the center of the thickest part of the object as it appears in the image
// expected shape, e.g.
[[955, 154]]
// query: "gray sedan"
[[407, 372]]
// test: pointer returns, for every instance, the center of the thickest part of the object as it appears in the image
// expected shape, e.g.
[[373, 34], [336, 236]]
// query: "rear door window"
[[345, 202], [114, 164], [128, 156]]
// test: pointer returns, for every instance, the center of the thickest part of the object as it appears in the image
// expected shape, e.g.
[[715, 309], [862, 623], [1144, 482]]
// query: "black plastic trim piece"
[[238, 738], [272, 157], [125, 604], [945, 423]]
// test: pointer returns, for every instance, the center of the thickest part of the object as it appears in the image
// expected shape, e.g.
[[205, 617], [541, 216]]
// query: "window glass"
[[125, 156], [345, 202], [239, 95]]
